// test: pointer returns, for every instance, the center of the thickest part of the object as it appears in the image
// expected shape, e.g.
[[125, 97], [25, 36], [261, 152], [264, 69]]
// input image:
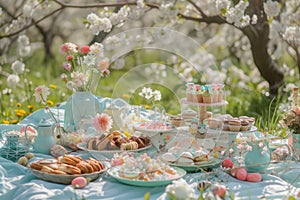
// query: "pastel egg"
[[254, 177], [79, 182], [227, 163], [58, 150], [241, 174]]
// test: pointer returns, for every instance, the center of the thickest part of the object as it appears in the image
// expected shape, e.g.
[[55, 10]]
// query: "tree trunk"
[[259, 38]]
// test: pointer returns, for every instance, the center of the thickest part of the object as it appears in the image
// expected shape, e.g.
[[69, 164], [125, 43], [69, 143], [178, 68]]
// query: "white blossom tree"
[[271, 28]]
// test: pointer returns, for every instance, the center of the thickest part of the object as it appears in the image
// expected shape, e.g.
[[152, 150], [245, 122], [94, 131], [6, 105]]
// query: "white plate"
[[222, 103], [114, 172], [151, 132], [65, 179], [104, 154], [198, 166]]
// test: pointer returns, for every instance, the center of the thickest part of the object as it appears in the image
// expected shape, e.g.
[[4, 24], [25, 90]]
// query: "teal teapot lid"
[[44, 123]]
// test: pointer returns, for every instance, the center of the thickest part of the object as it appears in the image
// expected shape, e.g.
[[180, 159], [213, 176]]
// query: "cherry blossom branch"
[[197, 8], [207, 19]]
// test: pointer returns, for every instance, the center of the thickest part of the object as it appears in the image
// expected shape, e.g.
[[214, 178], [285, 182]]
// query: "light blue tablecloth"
[[18, 183]]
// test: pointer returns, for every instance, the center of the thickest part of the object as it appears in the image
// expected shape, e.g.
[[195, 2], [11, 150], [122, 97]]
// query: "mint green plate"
[[114, 172], [198, 167]]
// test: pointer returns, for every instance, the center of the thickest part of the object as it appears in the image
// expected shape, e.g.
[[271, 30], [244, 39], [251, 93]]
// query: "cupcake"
[[177, 121], [207, 98], [245, 125], [234, 125], [189, 92], [226, 125], [214, 93], [198, 95], [213, 123], [251, 120], [220, 92]]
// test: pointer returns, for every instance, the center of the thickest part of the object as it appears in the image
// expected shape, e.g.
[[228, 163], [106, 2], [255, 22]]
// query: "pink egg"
[[233, 172], [219, 190], [241, 174], [227, 163], [254, 177], [79, 182]]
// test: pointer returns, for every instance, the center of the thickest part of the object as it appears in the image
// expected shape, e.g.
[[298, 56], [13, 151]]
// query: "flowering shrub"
[[84, 66]]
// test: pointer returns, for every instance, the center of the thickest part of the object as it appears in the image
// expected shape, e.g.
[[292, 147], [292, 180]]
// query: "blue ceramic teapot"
[[45, 139]]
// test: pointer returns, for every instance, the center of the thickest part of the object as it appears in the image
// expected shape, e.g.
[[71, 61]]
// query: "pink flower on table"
[[102, 122], [67, 66], [84, 49]]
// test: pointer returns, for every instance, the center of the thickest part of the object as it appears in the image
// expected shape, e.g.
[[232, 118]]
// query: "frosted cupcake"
[[189, 92], [245, 125], [207, 98], [214, 123], [234, 125], [198, 94]]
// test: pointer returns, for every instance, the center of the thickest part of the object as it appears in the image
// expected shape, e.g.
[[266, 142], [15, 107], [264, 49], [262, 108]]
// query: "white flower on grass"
[[6, 91], [79, 79], [272, 8], [24, 46], [156, 95], [24, 51], [18, 67], [180, 189], [148, 93], [12, 80], [41, 93]]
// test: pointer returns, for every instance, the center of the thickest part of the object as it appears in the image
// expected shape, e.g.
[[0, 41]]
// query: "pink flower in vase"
[[69, 57], [102, 122], [67, 66]]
